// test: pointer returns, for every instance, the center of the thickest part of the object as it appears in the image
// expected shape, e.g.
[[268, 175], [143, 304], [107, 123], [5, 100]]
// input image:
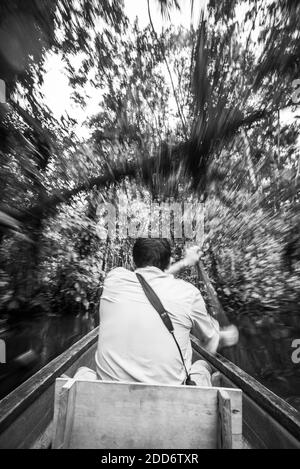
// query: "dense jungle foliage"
[[192, 115]]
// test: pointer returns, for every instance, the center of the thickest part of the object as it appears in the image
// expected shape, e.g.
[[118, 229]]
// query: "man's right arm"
[[191, 257], [204, 327], [207, 329]]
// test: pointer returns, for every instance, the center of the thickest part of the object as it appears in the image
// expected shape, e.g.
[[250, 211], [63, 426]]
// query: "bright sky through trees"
[[56, 88], [58, 92]]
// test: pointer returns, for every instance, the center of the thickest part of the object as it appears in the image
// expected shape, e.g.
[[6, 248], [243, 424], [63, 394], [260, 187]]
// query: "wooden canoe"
[[26, 413]]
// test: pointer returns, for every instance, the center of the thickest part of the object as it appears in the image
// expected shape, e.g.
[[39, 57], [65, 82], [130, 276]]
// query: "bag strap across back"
[[157, 304]]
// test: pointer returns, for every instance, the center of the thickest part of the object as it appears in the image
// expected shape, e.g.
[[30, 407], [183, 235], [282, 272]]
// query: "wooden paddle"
[[214, 306], [229, 332]]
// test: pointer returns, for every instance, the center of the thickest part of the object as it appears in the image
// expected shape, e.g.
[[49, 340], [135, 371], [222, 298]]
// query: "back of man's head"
[[152, 252]]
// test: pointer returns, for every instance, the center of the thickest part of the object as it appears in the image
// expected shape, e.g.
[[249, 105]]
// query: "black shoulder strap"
[[157, 304]]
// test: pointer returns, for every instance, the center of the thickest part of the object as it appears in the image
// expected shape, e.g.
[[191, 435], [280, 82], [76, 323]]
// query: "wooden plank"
[[281, 412], [59, 384], [224, 421], [126, 415], [64, 414], [27, 412], [260, 430]]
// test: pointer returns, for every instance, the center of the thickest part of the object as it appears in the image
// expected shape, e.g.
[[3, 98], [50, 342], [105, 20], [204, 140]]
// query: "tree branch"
[[169, 71]]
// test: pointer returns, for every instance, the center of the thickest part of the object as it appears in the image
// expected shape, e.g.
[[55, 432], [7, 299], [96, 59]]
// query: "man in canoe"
[[134, 343]]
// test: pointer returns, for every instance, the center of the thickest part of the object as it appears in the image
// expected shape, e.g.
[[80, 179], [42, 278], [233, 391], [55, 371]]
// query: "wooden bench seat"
[[99, 414]]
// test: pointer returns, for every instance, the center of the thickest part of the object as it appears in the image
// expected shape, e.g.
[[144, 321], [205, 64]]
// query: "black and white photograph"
[[149, 228]]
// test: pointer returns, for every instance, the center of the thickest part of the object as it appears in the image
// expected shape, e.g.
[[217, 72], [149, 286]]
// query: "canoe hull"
[[268, 421], [26, 414]]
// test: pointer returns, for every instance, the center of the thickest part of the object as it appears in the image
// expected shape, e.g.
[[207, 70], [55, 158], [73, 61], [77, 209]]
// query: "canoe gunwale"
[[15, 404], [274, 405], [12, 405]]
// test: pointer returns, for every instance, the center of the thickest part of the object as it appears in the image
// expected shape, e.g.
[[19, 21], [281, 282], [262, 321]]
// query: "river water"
[[264, 350], [36, 341]]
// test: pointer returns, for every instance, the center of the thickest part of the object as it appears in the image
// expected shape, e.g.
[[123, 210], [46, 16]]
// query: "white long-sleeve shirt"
[[134, 344]]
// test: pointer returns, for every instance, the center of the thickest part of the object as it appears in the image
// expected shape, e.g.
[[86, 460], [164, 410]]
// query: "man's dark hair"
[[152, 251]]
